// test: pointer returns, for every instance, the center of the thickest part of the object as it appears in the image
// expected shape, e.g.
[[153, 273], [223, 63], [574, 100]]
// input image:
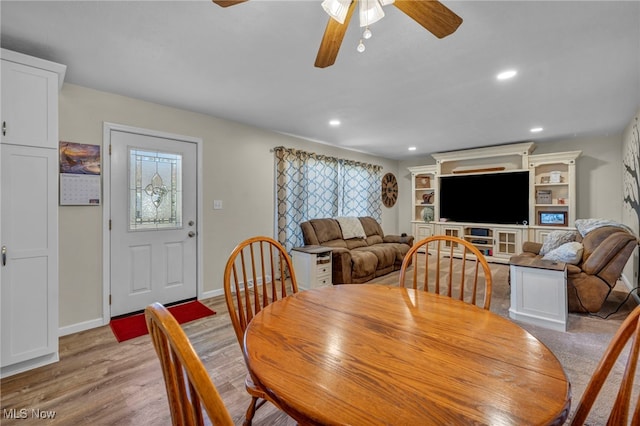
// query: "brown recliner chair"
[[606, 252]]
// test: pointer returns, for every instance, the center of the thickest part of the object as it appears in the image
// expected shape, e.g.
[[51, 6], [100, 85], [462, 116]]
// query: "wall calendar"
[[79, 174]]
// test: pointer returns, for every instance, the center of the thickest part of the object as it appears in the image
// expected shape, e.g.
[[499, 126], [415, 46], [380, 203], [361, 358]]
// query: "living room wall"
[[238, 169], [631, 191]]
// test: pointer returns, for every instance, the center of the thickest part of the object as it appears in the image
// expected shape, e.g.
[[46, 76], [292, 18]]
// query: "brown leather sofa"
[[605, 253], [358, 260]]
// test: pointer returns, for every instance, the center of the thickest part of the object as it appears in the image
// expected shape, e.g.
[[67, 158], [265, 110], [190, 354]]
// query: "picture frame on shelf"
[[552, 218]]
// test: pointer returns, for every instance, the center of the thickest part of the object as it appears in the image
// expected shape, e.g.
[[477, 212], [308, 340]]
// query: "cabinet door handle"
[[4, 128], [4, 255]]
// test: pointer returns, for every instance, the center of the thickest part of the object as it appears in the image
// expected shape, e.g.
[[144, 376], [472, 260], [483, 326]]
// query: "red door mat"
[[135, 325]]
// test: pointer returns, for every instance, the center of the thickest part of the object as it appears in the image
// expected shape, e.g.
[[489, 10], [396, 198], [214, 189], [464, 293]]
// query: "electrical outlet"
[[217, 204]]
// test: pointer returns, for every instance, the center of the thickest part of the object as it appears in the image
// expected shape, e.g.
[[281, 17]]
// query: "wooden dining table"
[[367, 354]]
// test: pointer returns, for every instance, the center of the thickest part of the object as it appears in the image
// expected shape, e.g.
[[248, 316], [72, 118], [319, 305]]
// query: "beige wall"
[[238, 169], [629, 215]]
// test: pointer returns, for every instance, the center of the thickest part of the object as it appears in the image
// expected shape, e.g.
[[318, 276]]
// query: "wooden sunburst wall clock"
[[389, 190]]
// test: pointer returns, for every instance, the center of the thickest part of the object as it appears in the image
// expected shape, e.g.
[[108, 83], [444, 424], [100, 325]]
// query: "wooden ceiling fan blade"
[[432, 15], [227, 3], [332, 39]]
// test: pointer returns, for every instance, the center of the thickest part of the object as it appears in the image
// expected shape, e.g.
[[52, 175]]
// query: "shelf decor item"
[[389, 190], [543, 196], [427, 198], [555, 177], [552, 218], [427, 214]]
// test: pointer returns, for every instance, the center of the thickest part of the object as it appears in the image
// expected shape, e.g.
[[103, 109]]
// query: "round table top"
[[370, 354]]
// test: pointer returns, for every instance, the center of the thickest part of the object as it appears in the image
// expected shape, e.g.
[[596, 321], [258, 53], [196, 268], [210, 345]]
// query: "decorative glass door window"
[[155, 190]]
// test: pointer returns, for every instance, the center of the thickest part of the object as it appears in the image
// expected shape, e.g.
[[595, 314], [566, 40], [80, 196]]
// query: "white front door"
[[153, 220]]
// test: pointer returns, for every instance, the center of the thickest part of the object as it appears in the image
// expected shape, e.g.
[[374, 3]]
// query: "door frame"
[[106, 206]]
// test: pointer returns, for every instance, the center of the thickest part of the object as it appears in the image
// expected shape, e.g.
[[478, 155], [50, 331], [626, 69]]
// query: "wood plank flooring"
[[99, 381]]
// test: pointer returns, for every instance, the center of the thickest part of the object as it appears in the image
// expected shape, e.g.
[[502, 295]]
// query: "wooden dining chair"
[[189, 387], [259, 272], [448, 265], [623, 406]]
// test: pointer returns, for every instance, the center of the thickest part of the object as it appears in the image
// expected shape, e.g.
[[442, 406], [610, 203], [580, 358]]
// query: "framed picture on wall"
[[551, 218]]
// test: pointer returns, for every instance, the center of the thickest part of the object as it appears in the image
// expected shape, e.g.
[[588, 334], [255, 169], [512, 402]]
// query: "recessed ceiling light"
[[334, 123], [412, 148], [506, 75], [536, 129]]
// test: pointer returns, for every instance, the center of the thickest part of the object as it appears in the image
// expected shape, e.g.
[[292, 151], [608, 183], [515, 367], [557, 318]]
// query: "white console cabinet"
[[312, 265], [551, 187], [29, 212], [539, 293]]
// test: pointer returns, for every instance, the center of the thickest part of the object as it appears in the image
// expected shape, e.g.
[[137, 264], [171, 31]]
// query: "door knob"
[[191, 234], [4, 255], [191, 223]]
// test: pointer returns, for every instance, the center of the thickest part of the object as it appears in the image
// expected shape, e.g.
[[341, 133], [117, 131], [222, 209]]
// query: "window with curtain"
[[310, 186]]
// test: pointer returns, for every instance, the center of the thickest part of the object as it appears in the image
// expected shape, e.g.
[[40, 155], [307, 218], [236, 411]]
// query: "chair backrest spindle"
[[629, 331], [452, 257], [187, 382]]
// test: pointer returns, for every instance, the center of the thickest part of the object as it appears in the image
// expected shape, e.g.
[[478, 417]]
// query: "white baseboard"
[[81, 326], [630, 286], [99, 322], [210, 294]]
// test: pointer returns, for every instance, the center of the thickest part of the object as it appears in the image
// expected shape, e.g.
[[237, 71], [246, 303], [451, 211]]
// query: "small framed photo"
[[549, 218]]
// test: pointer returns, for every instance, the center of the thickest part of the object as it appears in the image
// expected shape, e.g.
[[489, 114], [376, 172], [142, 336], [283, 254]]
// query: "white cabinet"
[[508, 242], [312, 265], [422, 231], [30, 100], [29, 213], [551, 201], [539, 294], [552, 193]]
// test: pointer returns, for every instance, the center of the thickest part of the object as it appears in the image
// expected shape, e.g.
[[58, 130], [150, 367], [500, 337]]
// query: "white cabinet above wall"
[[30, 100], [28, 212]]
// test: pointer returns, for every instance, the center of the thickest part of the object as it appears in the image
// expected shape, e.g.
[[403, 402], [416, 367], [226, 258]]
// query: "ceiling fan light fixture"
[[337, 9], [370, 12]]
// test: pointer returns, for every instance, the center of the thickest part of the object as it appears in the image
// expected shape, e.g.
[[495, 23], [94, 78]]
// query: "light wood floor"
[[99, 381]]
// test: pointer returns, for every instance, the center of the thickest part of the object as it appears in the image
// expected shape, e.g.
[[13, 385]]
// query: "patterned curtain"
[[306, 188], [310, 186], [360, 194]]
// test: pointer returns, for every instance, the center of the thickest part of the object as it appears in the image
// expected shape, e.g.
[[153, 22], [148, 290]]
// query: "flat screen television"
[[501, 198]]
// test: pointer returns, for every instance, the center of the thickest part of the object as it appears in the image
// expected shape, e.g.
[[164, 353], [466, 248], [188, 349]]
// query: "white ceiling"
[[578, 67]]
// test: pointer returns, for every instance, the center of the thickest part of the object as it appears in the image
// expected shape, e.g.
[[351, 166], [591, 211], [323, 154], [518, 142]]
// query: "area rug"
[[134, 325]]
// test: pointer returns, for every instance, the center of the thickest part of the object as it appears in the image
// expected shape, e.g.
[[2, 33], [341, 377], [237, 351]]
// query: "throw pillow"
[[568, 253], [557, 238]]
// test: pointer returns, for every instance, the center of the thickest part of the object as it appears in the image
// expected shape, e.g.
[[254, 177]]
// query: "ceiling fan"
[[431, 14]]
